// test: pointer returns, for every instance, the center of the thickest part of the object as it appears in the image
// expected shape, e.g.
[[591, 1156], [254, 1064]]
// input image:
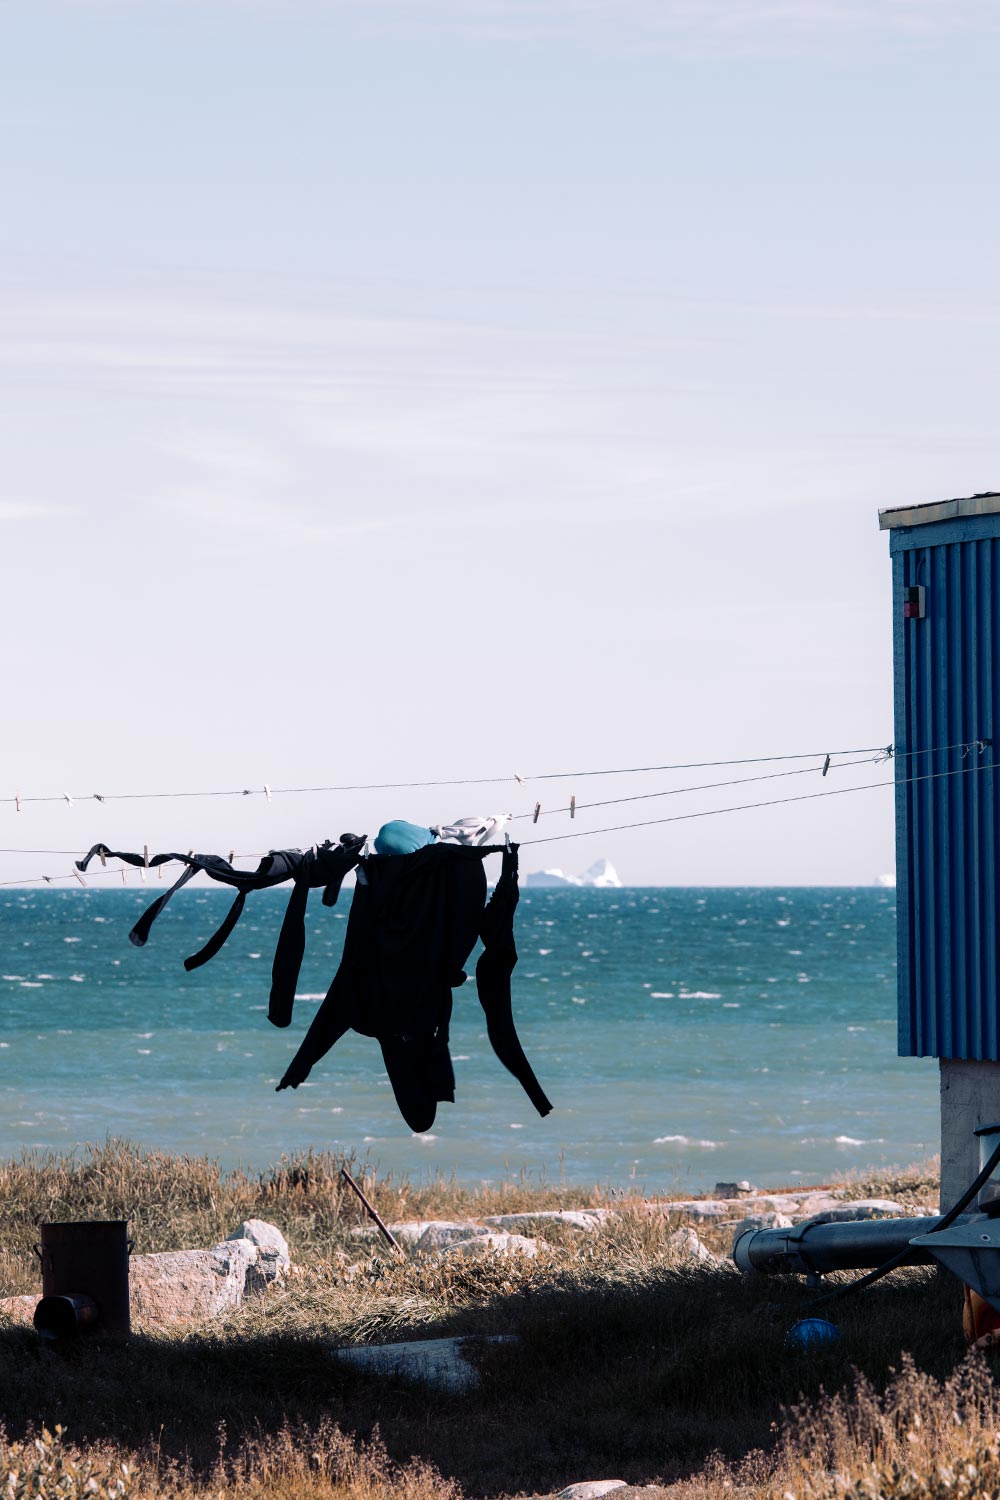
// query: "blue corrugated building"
[[946, 649]]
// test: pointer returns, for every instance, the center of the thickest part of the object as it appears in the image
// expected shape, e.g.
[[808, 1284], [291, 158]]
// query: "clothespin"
[[98, 797], [124, 881], [67, 798], [267, 791], [506, 840], [572, 807], [145, 855], [247, 791], [159, 872], [101, 857], [17, 800], [232, 855], [79, 877], [142, 875], [190, 852], [47, 879], [538, 808], [519, 779], [826, 765]]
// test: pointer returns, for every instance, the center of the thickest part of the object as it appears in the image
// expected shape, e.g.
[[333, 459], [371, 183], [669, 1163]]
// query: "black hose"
[[902, 1256]]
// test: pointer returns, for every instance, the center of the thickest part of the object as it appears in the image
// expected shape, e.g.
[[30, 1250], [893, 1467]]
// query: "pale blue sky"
[[394, 391]]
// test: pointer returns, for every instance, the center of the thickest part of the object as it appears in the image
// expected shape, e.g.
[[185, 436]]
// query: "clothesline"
[[549, 812], [623, 827], [268, 791]]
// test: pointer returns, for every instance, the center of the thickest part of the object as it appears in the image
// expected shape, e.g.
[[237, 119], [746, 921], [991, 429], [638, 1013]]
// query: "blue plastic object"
[[400, 837], [808, 1333]]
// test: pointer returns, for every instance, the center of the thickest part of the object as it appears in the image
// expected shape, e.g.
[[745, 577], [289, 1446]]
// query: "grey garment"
[[471, 831]]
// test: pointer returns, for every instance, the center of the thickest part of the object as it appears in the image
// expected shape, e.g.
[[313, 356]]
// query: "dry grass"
[[629, 1361]]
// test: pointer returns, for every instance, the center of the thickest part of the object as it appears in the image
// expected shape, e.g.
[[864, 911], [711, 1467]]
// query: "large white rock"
[[483, 1245], [685, 1242], [266, 1237], [412, 1230], [591, 1489], [441, 1236], [861, 1208], [764, 1220], [185, 1287], [587, 1219]]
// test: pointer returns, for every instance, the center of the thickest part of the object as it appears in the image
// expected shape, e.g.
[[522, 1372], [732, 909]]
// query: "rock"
[[413, 1230], [441, 1235], [861, 1208], [761, 1221], [267, 1237], [591, 1489], [20, 1310], [440, 1363], [185, 1287], [733, 1189], [492, 1244], [816, 1203], [587, 1219], [686, 1242], [269, 1268]]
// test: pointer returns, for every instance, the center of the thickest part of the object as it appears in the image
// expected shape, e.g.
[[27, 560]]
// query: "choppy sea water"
[[684, 1036]]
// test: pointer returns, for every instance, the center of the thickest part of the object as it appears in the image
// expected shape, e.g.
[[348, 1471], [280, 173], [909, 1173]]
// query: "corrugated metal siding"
[[947, 681]]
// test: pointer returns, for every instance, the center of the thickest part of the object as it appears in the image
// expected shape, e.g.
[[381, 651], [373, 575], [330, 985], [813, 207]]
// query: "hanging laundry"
[[324, 865], [471, 830], [414, 921], [413, 924]]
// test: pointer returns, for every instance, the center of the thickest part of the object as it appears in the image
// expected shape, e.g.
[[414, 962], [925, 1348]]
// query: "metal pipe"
[[812, 1249], [65, 1315]]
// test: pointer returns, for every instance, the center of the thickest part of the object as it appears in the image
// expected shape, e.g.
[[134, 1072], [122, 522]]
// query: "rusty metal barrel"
[[84, 1278]]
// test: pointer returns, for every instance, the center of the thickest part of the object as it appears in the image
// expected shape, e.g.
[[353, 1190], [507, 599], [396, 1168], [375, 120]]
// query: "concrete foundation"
[[970, 1096]]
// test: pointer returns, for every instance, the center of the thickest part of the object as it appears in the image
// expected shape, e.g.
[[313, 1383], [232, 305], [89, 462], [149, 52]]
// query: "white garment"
[[471, 830]]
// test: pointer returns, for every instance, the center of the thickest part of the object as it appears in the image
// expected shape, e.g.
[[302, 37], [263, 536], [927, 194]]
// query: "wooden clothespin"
[[826, 765], [267, 791], [572, 807], [232, 855], [79, 877], [538, 808], [519, 779], [101, 856], [142, 875], [17, 800], [145, 855], [47, 879], [67, 798], [124, 881], [98, 797]]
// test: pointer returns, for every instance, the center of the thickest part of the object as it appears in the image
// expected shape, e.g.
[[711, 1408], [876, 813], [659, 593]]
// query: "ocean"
[[685, 1036]]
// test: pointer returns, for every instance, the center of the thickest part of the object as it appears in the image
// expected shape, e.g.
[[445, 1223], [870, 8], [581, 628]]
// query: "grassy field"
[[631, 1362]]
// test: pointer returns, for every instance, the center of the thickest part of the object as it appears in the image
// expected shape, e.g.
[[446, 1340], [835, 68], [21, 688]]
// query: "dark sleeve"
[[493, 971], [329, 1024]]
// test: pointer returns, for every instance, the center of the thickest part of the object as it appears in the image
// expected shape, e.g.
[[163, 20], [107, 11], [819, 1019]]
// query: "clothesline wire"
[[680, 791], [390, 786], [713, 812], [269, 791], [548, 812]]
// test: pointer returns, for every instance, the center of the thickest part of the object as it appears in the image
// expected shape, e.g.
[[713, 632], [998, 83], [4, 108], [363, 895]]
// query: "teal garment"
[[400, 837]]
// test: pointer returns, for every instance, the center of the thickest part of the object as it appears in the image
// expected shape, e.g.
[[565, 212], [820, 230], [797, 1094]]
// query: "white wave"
[[684, 1140], [544, 952], [308, 995], [700, 995], [71, 940], [77, 978], [424, 1140], [578, 1000], [662, 995], [517, 1127], [13, 978], [28, 984]]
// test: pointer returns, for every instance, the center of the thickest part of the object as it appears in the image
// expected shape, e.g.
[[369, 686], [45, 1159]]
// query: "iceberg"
[[601, 875]]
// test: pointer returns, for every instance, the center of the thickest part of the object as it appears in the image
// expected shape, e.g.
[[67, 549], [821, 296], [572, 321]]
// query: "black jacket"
[[414, 921]]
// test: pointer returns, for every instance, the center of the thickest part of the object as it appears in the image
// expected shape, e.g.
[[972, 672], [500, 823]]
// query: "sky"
[[476, 388]]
